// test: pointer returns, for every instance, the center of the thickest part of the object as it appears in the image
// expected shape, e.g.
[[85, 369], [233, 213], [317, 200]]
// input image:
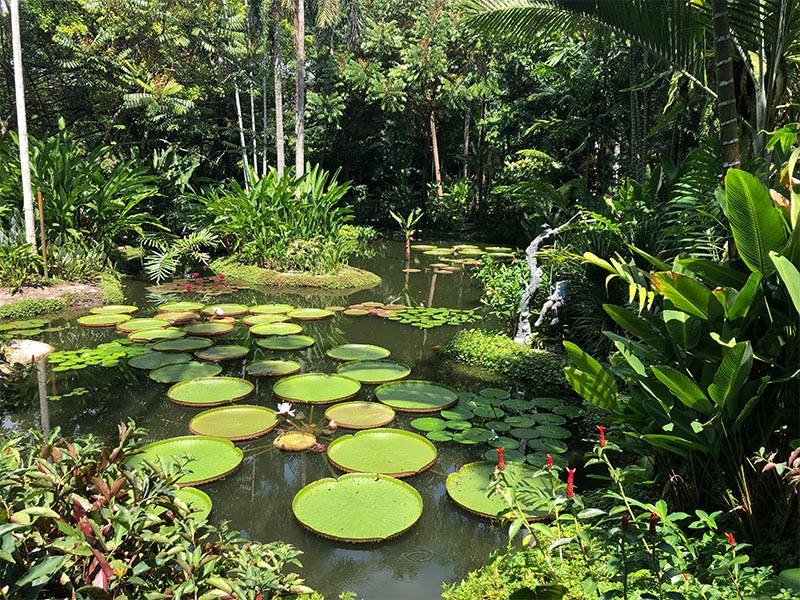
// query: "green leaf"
[[633, 323], [745, 298], [687, 294], [676, 445], [757, 225], [590, 379], [790, 276], [682, 328], [731, 375], [41, 571], [684, 389]]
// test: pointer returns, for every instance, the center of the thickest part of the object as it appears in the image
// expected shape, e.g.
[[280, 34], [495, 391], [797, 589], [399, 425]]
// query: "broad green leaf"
[[688, 295], [757, 225], [624, 346], [794, 210], [684, 389], [745, 298], [712, 271], [590, 379], [674, 444], [633, 324], [41, 572], [790, 276], [731, 375], [683, 329]]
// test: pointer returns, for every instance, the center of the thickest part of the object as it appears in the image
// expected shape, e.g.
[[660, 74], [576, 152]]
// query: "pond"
[[444, 545]]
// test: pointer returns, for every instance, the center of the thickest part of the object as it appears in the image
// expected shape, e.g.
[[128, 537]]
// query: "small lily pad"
[[266, 329], [189, 344], [428, 424], [114, 309], [358, 352], [524, 433], [458, 413], [509, 455], [251, 320], [416, 395], [210, 458], [360, 415], [393, 452], [295, 441], [225, 310], [210, 391], [151, 335], [286, 342], [183, 372], [310, 314], [553, 431], [271, 309], [131, 325], [103, 320], [210, 329], [355, 312], [478, 434], [179, 317], [374, 371], [519, 421], [273, 368], [156, 360], [316, 388], [440, 435], [220, 353], [235, 423], [197, 500]]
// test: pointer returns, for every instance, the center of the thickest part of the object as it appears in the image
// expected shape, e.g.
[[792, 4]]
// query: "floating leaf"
[[273, 368], [458, 412], [180, 307], [467, 488], [240, 422], [225, 310], [416, 396], [114, 309], [355, 312], [183, 372], [131, 325], [271, 309], [220, 353], [286, 342], [197, 500], [310, 314], [358, 507], [295, 441], [374, 371], [210, 458], [428, 424], [251, 320], [189, 344], [266, 329], [358, 352], [103, 320], [440, 435], [155, 360], [150, 335], [316, 388], [210, 329], [210, 391], [393, 452], [360, 415], [178, 317]]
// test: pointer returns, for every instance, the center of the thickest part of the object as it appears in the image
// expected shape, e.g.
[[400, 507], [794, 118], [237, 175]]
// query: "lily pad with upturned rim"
[[271, 309], [374, 371], [358, 507], [416, 396], [235, 423], [210, 391], [355, 312], [153, 335], [197, 500], [114, 309], [467, 488], [286, 342], [180, 307], [220, 353], [209, 329], [295, 441], [213, 458], [393, 452], [111, 320], [189, 344], [316, 388], [132, 325], [266, 329], [251, 320], [310, 314], [358, 352], [273, 368], [226, 310], [184, 372], [156, 360], [360, 415], [179, 317]]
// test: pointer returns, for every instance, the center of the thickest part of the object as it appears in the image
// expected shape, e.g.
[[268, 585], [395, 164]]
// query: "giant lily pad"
[[266, 329], [467, 488], [240, 422], [358, 352], [197, 500], [271, 309], [183, 372], [179, 317], [211, 458], [180, 307], [150, 335], [316, 388], [286, 342], [273, 368], [416, 396], [391, 452], [103, 320], [155, 360], [226, 310], [360, 415], [210, 391], [358, 507], [114, 309], [374, 371], [251, 320], [220, 353], [189, 344], [210, 329], [132, 325], [310, 314]]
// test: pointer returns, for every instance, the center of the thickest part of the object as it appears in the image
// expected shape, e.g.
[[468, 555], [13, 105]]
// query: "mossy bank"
[[346, 278]]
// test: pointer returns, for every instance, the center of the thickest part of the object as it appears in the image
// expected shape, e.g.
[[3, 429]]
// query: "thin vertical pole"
[[41, 230]]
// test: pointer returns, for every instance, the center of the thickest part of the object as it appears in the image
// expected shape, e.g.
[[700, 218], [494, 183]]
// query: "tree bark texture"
[[726, 93], [437, 173], [276, 51], [300, 86]]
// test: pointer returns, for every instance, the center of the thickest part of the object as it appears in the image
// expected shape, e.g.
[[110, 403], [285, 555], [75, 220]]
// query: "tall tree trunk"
[[264, 124], [437, 173], [22, 127], [242, 141], [253, 130], [726, 93], [300, 86], [276, 50], [466, 141]]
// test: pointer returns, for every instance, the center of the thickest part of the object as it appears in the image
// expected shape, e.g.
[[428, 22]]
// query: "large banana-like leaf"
[[684, 389], [757, 225], [688, 294], [790, 276], [746, 298], [683, 329], [731, 375], [590, 380]]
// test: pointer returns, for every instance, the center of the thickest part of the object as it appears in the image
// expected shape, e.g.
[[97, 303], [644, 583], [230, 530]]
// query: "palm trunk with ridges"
[[300, 86], [726, 92], [276, 49]]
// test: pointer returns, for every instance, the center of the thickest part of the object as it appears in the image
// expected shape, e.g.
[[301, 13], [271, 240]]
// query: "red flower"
[[624, 522], [570, 482], [602, 431], [221, 276], [195, 275], [549, 462], [731, 541], [501, 464], [188, 287], [653, 521]]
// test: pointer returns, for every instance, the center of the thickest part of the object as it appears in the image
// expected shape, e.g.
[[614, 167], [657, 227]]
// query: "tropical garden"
[[573, 225]]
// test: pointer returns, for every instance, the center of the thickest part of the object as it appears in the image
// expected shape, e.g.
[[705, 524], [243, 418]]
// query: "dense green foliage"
[[77, 523]]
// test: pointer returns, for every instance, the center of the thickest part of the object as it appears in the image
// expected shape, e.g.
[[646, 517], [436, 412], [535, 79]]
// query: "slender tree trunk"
[[726, 93], [253, 130], [22, 128], [276, 49], [264, 124], [300, 86], [437, 173], [242, 141], [466, 141], [479, 176]]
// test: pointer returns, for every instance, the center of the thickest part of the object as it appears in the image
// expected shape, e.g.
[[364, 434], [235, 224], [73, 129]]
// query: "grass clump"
[[25, 309], [342, 279]]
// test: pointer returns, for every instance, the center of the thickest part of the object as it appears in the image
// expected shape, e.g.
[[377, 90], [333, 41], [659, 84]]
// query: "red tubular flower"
[[187, 287], [500, 461], [221, 276], [653, 521], [602, 430], [549, 462], [731, 541], [624, 522], [570, 482]]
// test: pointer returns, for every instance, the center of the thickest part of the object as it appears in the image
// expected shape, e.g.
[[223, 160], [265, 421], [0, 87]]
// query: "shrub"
[[25, 309], [77, 523], [498, 352]]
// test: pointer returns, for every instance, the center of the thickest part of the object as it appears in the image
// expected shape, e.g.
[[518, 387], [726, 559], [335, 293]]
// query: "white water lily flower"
[[285, 408]]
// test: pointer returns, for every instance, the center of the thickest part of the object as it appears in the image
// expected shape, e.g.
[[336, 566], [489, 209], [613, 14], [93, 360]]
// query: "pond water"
[[443, 546]]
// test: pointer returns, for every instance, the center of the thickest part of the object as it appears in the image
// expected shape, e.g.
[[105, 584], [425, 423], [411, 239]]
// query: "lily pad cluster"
[[528, 430], [104, 355], [427, 318], [467, 251]]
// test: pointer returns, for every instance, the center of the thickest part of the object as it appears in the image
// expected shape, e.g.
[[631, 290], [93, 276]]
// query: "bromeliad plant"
[[76, 522], [706, 372]]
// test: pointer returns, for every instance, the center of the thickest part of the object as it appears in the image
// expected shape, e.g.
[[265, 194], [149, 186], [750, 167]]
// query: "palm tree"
[[764, 35]]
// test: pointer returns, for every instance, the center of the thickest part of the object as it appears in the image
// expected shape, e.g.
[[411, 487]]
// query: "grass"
[[345, 279]]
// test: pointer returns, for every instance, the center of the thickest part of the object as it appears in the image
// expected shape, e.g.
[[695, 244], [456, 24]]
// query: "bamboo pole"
[[41, 231]]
